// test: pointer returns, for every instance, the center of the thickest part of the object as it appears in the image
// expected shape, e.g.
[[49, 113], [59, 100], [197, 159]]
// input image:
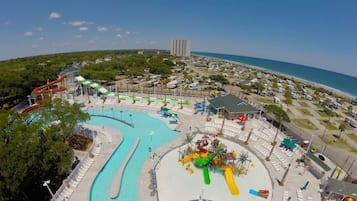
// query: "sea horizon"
[[333, 81]]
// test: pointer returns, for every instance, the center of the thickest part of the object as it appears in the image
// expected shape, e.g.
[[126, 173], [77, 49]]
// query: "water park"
[[141, 133], [213, 169]]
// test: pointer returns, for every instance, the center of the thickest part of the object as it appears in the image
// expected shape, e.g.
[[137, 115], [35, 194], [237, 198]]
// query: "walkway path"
[[197, 122]]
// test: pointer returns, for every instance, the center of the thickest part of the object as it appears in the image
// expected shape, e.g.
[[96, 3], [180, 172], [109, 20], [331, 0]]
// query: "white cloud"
[[34, 46], [119, 36], [7, 22], [78, 36], [102, 29], [83, 28], [39, 28], [127, 32], [77, 23], [41, 38], [28, 33], [54, 15], [91, 41]]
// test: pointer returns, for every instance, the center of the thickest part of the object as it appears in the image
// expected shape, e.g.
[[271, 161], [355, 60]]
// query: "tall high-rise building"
[[181, 48]]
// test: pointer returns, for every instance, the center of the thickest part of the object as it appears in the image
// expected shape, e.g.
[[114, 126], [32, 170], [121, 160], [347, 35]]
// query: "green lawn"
[[304, 123], [305, 111], [348, 127], [265, 100], [322, 113], [342, 143], [303, 104], [330, 139], [330, 125], [352, 136]]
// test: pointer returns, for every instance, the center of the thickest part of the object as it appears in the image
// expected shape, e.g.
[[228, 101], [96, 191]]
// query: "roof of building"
[[232, 103], [342, 187]]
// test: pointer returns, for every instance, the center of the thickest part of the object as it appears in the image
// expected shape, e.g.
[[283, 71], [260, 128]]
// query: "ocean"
[[328, 79]]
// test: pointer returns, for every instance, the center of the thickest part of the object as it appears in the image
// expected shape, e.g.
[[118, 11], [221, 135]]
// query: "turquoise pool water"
[[143, 125]]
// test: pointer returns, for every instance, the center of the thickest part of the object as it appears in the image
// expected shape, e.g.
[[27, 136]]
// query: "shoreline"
[[293, 78]]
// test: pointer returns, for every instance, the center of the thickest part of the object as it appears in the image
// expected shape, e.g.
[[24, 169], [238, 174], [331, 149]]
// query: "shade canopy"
[[289, 143], [242, 118], [95, 86]]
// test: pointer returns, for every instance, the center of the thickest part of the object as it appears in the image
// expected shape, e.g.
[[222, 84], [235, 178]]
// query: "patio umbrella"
[[165, 109], [314, 147], [242, 118]]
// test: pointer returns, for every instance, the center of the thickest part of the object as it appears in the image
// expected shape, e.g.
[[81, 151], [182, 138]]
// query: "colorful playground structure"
[[213, 156]]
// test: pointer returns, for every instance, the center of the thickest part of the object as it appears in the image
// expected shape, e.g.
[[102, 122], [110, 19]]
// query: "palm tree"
[[218, 154], [224, 118], [208, 112], [249, 135], [280, 115], [165, 101], [188, 139], [243, 158], [259, 87], [149, 102], [270, 153], [341, 128], [350, 108]]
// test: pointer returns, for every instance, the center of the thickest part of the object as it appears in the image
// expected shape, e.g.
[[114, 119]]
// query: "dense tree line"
[[130, 65], [33, 149], [20, 76]]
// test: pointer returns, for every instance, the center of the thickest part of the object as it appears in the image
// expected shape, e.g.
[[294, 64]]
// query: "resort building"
[[232, 106], [181, 48], [339, 190]]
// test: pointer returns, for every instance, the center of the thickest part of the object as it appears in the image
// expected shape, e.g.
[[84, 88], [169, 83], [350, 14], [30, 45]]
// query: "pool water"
[[144, 124]]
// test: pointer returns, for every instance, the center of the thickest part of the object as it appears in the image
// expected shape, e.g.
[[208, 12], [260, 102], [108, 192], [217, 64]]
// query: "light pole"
[[201, 196], [131, 119], [45, 183], [151, 134], [323, 134], [308, 147], [348, 171], [281, 182]]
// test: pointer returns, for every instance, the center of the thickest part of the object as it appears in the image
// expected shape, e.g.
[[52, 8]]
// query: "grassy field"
[[304, 123], [305, 112], [265, 100], [322, 113], [352, 136], [343, 144], [348, 127], [303, 104], [330, 125], [330, 139]]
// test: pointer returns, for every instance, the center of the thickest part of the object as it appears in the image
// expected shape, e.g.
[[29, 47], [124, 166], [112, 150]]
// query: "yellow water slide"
[[233, 188], [188, 158]]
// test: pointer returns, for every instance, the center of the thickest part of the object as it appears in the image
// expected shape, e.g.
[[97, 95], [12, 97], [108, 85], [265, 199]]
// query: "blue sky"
[[320, 33]]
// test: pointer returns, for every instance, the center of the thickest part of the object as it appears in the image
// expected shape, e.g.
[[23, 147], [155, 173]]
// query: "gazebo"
[[232, 106]]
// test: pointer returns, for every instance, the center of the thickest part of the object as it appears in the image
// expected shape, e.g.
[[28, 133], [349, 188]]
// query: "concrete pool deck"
[[186, 119]]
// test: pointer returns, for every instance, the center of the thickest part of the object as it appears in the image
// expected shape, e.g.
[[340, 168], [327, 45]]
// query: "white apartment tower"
[[181, 48]]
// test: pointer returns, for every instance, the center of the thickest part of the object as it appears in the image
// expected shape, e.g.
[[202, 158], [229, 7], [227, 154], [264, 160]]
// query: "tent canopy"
[[289, 143]]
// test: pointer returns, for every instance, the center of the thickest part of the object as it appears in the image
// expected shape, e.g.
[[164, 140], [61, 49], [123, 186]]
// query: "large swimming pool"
[[144, 124]]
